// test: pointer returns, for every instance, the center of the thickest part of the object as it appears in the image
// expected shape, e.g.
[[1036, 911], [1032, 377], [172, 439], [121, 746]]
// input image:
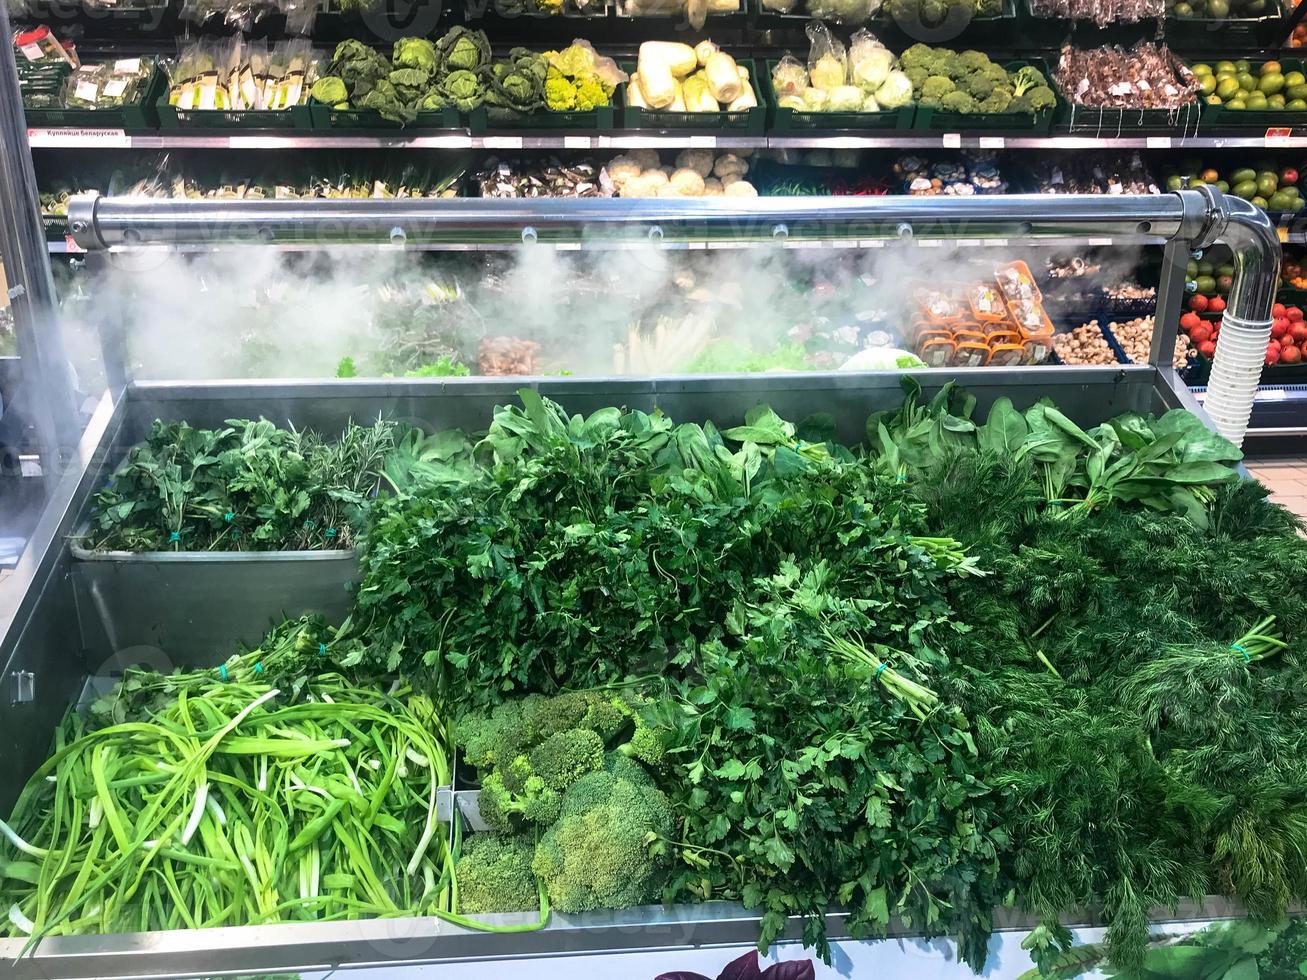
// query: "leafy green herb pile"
[[420, 75], [1018, 663], [249, 486]]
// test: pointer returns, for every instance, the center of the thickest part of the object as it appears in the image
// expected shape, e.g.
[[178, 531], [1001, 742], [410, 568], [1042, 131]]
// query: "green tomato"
[[1271, 83]]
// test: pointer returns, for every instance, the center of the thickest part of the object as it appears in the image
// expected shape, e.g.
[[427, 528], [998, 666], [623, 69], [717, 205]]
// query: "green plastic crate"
[[489, 119], [784, 120], [325, 117], [750, 122], [135, 117], [172, 118], [1215, 117], [1024, 123]]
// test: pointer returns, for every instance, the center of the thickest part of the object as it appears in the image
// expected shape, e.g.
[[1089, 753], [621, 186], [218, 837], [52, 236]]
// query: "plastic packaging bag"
[[828, 65], [789, 77], [844, 11], [870, 62]]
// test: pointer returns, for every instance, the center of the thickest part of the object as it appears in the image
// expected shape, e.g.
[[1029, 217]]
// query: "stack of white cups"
[[1236, 370]]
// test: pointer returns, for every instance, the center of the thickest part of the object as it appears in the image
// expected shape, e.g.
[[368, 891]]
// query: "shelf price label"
[[991, 142], [703, 142], [72, 136], [502, 142], [1271, 395], [1158, 142], [1282, 233], [951, 141], [71, 247], [576, 142], [1279, 136]]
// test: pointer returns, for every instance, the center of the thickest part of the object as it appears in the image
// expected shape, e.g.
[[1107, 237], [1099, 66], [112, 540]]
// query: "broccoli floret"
[[937, 86], [647, 744], [591, 94], [959, 102], [486, 739], [1026, 79], [504, 811], [602, 712], [917, 76], [919, 56], [979, 83], [973, 60], [597, 855], [563, 758], [494, 874], [1041, 98], [997, 100]]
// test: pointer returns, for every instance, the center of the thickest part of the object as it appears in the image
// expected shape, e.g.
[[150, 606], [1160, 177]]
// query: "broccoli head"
[[959, 102], [1027, 78], [917, 76], [564, 757], [973, 60], [505, 811], [486, 739], [981, 82], [1040, 98], [494, 874], [920, 56], [937, 86], [598, 855], [997, 100]]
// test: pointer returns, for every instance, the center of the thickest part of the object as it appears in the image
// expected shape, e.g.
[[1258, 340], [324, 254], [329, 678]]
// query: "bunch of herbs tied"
[[1136, 673], [249, 486], [777, 599]]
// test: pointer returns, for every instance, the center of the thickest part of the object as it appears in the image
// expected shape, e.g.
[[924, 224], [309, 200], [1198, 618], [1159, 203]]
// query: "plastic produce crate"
[[1215, 117], [750, 122], [172, 118], [325, 117], [784, 120], [136, 116], [1026, 123], [484, 119], [1199, 32]]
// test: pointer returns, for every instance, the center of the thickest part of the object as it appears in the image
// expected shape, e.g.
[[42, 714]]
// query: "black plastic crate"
[[489, 119], [327, 117], [1216, 117]]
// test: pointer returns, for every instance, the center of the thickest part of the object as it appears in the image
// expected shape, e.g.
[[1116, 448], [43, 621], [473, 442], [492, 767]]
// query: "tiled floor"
[[1286, 478]]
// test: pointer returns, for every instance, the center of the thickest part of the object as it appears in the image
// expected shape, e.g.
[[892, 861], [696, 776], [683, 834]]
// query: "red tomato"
[[1189, 321], [1208, 349], [1293, 313], [1198, 303], [1278, 309], [1216, 305], [1200, 333], [1299, 333], [1291, 355]]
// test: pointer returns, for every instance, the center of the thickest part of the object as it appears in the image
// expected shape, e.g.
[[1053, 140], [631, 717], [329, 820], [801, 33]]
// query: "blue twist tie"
[[175, 536], [228, 517], [880, 670], [331, 532], [322, 649], [308, 524], [901, 478], [1247, 658], [258, 667], [235, 532], [222, 671]]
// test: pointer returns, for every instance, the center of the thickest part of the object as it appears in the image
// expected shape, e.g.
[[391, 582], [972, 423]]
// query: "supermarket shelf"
[[908, 140]]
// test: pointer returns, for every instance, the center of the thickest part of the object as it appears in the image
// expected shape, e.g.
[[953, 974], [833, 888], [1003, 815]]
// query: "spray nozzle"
[[656, 233], [398, 236], [904, 231], [780, 232], [529, 236]]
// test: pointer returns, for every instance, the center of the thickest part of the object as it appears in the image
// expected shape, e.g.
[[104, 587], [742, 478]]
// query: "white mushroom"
[[729, 163], [688, 182], [699, 160]]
